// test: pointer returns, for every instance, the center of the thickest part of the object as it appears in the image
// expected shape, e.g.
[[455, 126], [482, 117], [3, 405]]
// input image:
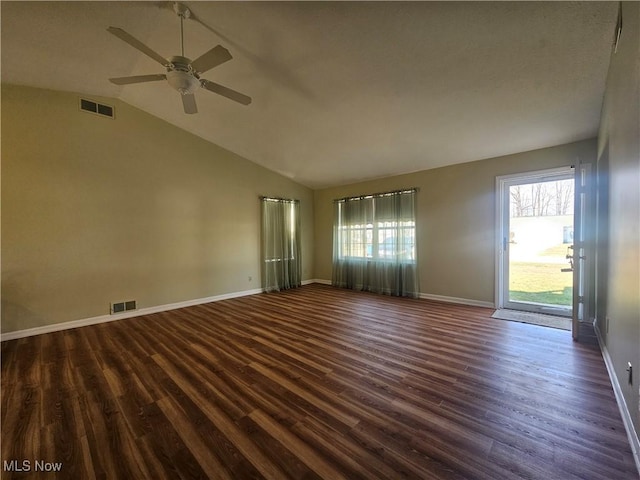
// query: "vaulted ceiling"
[[342, 91]]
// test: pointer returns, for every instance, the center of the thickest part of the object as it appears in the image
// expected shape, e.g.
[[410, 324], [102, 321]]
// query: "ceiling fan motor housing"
[[181, 76]]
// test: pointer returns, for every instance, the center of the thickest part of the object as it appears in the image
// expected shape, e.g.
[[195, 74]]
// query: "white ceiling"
[[342, 91]]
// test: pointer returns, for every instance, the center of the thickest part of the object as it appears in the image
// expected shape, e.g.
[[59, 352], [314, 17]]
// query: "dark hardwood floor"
[[315, 382]]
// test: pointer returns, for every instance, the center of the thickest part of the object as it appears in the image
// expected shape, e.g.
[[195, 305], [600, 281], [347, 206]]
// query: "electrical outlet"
[[630, 370]]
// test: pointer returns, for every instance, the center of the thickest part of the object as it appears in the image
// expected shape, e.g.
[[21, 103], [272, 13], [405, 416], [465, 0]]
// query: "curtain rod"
[[276, 199], [381, 194]]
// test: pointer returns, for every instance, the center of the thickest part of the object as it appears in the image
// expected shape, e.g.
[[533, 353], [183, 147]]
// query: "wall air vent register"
[[96, 108], [120, 307]]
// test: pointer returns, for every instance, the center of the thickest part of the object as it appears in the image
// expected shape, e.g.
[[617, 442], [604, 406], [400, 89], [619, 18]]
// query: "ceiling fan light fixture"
[[183, 82], [183, 75]]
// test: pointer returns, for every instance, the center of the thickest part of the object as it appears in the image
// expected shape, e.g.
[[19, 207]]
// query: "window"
[[373, 234], [375, 243], [280, 244]]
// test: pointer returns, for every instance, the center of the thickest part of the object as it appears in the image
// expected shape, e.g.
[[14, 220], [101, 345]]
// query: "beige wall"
[[96, 210], [455, 217], [619, 274]]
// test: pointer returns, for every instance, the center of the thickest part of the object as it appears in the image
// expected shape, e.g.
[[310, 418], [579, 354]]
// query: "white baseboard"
[[172, 306], [189, 303], [622, 404], [461, 301], [428, 296], [134, 313], [120, 316]]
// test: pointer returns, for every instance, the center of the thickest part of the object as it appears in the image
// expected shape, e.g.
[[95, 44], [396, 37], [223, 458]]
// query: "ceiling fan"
[[183, 74]]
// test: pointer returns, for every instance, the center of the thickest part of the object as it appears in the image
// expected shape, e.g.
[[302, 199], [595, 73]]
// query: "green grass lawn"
[[540, 283]]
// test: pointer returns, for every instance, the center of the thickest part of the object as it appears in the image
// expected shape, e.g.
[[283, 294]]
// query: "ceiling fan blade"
[[212, 58], [135, 43], [138, 79], [189, 103], [225, 92]]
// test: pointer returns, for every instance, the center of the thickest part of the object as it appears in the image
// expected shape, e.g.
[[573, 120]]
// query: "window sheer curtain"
[[374, 243], [281, 266]]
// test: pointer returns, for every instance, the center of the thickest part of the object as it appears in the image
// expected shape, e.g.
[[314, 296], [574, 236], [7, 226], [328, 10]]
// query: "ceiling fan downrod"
[[183, 12]]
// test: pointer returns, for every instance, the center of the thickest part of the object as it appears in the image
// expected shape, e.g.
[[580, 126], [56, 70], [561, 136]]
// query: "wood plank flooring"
[[315, 382]]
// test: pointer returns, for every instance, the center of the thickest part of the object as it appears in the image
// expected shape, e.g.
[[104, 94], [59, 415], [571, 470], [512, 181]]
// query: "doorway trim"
[[503, 182]]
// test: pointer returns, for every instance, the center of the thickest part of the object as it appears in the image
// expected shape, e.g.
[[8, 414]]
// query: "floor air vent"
[[96, 108], [123, 306]]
